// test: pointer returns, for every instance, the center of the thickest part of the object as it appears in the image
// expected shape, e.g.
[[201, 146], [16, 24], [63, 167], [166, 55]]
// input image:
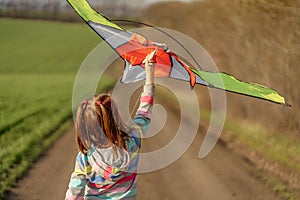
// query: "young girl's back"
[[106, 165]]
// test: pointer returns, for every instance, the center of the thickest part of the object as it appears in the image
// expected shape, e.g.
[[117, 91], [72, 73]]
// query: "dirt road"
[[222, 175]]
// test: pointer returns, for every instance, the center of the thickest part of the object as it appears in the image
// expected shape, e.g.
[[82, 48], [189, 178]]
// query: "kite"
[[133, 48]]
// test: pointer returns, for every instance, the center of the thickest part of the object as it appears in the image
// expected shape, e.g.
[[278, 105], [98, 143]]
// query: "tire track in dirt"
[[221, 175]]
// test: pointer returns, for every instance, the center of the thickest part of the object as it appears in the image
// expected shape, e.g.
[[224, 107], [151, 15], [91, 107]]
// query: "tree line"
[[61, 10]]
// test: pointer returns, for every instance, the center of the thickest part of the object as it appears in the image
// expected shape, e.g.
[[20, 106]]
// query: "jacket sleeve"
[[78, 180], [143, 114]]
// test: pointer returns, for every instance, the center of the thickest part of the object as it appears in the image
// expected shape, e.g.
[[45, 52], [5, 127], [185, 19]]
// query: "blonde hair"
[[98, 124]]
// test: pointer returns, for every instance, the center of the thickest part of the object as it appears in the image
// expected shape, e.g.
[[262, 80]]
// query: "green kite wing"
[[229, 83]]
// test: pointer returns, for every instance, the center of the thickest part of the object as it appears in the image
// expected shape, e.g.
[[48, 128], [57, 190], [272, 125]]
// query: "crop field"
[[256, 41], [39, 60]]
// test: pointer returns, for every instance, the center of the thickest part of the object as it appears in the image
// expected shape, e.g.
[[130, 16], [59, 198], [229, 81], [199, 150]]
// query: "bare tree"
[[54, 9]]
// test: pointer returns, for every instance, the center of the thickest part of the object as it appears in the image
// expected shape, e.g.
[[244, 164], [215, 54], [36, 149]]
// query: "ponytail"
[[98, 123]]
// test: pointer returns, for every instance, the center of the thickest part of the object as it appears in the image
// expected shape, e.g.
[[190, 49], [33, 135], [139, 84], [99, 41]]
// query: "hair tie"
[[85, 101], [99, 103]]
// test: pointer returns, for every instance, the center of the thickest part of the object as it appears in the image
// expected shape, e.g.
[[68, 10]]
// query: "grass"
[[43, 47], [277, 147], [39, 61], [274, 155], [256, 42]]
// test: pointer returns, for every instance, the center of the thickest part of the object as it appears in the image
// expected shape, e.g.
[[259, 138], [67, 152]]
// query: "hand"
[[149, 68]]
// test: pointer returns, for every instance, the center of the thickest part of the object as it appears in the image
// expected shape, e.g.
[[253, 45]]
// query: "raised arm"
[[143, 114], [149, 68]]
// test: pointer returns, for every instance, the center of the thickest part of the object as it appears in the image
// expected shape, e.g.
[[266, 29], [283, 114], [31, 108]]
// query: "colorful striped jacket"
[[99, 175]]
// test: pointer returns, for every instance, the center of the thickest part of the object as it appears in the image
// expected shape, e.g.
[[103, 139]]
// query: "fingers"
[[149, 59], [149, 67]]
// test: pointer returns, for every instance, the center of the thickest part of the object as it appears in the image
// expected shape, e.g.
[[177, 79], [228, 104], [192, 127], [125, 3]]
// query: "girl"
[[106, 165]]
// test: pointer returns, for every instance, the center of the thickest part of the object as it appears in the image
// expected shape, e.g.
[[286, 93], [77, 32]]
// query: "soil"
[[221, 175]]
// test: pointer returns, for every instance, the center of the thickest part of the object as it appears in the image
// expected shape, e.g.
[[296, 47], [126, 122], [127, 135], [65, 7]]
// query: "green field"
[[39, 61]]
